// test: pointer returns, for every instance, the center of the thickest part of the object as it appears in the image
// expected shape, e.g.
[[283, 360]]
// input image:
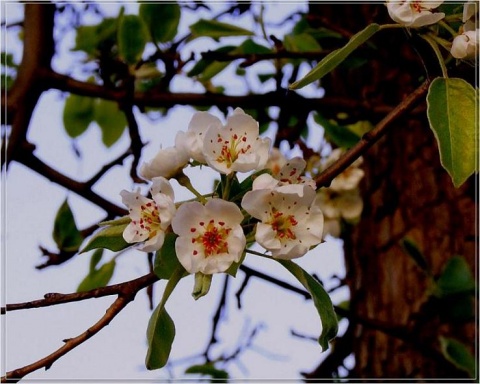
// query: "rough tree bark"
[[406, 193]]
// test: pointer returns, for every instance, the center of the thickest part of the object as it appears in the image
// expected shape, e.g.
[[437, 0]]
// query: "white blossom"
[[275, 161], [288, 180], [149, 217], [414, 13], [236, 146], [191, 142], [289, 224], [465, 45], [167, 163], [210, 236]]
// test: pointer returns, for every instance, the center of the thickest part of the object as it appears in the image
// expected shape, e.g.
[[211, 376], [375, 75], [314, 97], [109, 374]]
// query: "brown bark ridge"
[[407, 194]]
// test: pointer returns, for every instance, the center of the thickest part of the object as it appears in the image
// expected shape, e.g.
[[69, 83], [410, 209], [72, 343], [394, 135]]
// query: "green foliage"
[[451, 104], [160, 336], [332, 60], [455, 278], [162, 20], [342, 136], [321, 299], [97, 278], [303, 42], [108, 237], [161, 329], [78, 113], [93, 38], [216, 29], [111, 120], [166, 261], [208, 369], [65, 232], [458, 354], [132, 37]]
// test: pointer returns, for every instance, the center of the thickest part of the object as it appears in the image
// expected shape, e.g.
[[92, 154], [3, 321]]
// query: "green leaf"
[[339, 135], [109, 237], [94, 38], [216, 29], [458, 354], [132, 37], [250, 47], [208, 369], [320, 299], [302, 42], [414, 252], [160, 335], [208, 68], [451, 107], [161, 19], [65, 232], [77, 114], [332, 60], [456, 278], [166, 260], [121, 220], [97, 277], [161, 329], [95, 259], [111, 120]]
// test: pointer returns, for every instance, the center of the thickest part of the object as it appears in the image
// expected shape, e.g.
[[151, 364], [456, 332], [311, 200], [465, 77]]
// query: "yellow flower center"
[[282, 224], [149, 219], [213, 239], [232, 148]]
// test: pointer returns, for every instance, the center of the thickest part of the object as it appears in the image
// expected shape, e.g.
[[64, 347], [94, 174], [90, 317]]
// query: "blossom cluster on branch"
[[276, 206], [418, 13]]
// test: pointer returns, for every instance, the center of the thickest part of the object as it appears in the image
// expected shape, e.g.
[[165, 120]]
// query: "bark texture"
[[394, 327]]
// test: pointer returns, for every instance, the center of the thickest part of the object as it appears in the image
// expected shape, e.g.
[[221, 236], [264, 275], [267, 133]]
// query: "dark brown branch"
[[370, 138], [253, 58], [118, 161], [26, 157], [126, 293], [252, 272], [155, 98], [62, 298], [38, 50]]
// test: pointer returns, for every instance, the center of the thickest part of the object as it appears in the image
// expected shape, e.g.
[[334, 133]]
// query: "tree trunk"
[[406, 194], [394, 328]]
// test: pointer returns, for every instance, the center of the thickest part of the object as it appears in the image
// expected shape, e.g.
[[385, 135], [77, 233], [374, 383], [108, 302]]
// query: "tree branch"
[[370, 138], [156, 98], [63, 298], [26, 157], [126, 293]]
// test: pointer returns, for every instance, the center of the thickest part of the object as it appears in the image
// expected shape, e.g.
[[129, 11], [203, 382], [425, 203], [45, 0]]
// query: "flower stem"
[[447, 27], [430, 40], [228, 186], [184, 180]]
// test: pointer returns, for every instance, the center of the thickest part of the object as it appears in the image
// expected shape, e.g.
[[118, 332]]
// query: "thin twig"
[[371, 137], [62, 298], [126, 293]]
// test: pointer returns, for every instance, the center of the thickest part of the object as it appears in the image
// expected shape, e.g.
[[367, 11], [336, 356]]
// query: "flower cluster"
[[465, 44], [418, 13], [341, 200], [414, 13], [277, 207]]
